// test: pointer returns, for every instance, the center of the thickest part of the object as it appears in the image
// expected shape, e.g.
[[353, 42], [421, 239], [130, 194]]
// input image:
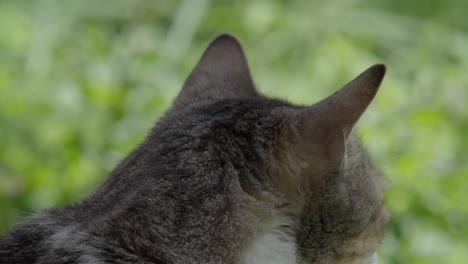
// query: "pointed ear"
[[329, 123], [221, 73]]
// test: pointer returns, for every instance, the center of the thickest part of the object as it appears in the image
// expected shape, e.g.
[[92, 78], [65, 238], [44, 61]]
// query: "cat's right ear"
[[323, 129], [221, 73]]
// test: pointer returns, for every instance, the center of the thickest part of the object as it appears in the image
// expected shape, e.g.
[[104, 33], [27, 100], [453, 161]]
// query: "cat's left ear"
[[221, 73]]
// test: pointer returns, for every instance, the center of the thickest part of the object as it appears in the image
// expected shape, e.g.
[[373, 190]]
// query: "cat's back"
[[176, 198]]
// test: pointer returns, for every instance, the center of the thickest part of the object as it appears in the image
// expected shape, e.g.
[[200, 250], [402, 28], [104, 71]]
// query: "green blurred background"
[[81, 83]]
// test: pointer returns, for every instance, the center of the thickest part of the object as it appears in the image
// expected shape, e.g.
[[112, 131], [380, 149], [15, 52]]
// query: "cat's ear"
[[326, 126], [221, 73]]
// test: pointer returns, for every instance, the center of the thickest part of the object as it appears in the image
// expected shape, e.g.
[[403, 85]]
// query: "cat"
[[228, 176]]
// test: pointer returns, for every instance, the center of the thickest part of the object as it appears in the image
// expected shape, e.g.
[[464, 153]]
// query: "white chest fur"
[[272, 246], [373, 259], [276, 247]]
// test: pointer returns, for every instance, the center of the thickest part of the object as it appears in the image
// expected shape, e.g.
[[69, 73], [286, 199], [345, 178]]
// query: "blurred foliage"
[[81, 82]]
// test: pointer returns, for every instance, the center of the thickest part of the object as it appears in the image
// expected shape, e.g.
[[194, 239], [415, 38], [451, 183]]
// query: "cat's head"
[[302, 163]]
